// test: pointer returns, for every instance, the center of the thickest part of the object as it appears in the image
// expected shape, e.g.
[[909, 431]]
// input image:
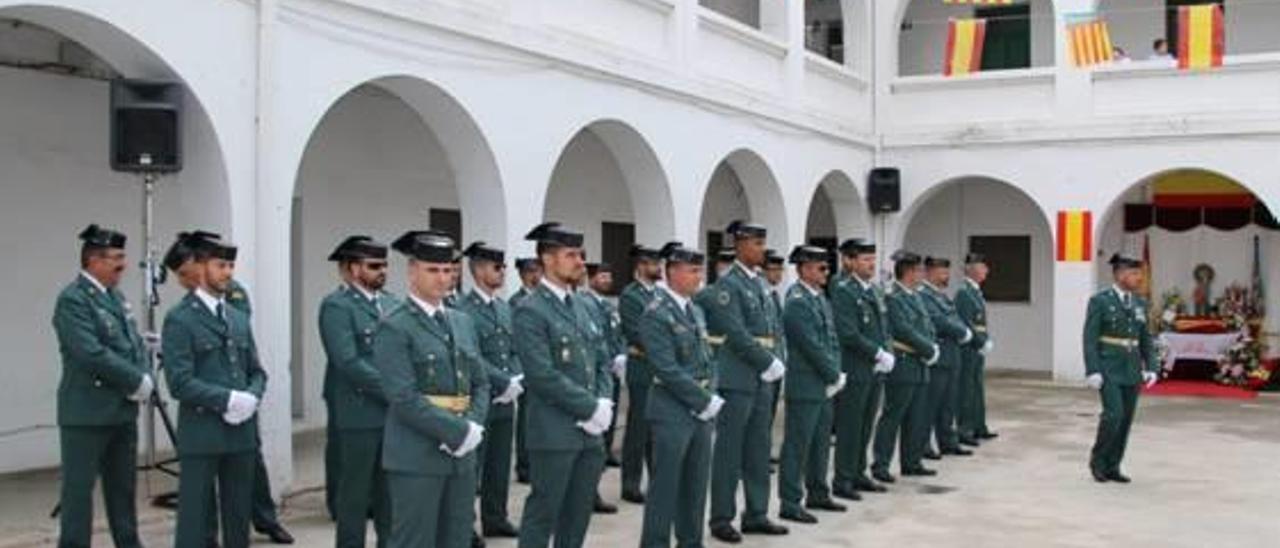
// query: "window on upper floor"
[[1147, 30], [1016, 36], [746, 12], [824, 29]]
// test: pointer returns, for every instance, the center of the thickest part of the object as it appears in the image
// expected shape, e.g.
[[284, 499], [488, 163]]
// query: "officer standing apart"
[[211, 361], [953, 335], [105, 375], [637, 447], [491, 316], [813, 378], [915, 351], [568, 391], [530, 273], [437, 391], [682, 404], [971, 421], [349, 317], [1118, 356], [742, 327]]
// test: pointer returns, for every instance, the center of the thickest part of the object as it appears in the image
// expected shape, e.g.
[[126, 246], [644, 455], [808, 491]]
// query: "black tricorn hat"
[[726, 255], [596, 268], [746, 229], [808, 254], [905, 257], [526, 264], [185, 245], [675, 252], [1123, 260], [481, 251], [426, 245], [555, 234], [975, 258], [937, 262], [857, 246], [356, 248], [96, 236], [771, 257], [644, 253]]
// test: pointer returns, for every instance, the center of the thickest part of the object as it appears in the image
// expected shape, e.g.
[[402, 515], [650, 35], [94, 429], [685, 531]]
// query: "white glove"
[[475, 434], [619, 366], [833, 389], [145, 386], [712, 409], [885, 362], [240, 406], [599, 421], [987, 347], [937, 355], [775, 371], [1094, 381], [513, 391], [968, 336], [1149, 378]]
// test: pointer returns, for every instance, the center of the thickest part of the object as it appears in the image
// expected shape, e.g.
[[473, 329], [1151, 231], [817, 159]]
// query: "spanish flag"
[[1201, 40], [964, 46], [1090, 43], [1075, 236], [980, 2]]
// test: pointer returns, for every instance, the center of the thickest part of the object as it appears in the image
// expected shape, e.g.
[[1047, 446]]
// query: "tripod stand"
[[153, 276]]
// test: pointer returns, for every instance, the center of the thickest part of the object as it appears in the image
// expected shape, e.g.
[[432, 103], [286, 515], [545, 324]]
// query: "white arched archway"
[[743, 187], [836, 211]]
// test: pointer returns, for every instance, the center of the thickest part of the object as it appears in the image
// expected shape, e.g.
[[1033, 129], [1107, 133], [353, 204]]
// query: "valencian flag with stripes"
[[1075, 236], [1089, 41], [964, 46], [1201, 38]]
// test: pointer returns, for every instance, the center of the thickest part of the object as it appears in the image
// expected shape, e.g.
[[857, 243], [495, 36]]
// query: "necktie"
[[440, 319], [688, 312], [220, 312], [377, 304]]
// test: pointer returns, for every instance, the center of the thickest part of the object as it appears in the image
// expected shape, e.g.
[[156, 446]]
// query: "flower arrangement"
[[1172, 306], [1242, 365]]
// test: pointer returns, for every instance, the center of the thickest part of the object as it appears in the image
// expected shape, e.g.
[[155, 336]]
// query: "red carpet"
[[1201, 389]]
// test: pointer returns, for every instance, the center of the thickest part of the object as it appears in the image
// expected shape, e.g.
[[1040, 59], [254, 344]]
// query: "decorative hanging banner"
[[1201, 38], [964, 46], [1075, 236], [1090, 43], [980, 2]]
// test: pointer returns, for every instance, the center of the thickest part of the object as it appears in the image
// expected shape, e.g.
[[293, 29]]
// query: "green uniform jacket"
[[1109, 318], [972, 308], [103, 357], [947, 325], [559, 347], [519, 295], [776, 308], [812, 345], [632, 304], [684, 376], [909, 326], [606, 317], [862, 326], [493, 330], [353, 385], [417, 358], [238, 297], [738, 310], [205, 358]]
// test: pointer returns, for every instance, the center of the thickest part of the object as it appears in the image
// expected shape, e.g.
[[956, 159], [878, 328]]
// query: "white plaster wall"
[[587, 188], [726, 202]]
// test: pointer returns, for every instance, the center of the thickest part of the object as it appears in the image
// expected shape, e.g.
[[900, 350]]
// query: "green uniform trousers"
[[971, 419], [563, 496], [92, 451], [742, 454], [678, 486], [233, 475], [855, 418], [362, 488], [494, 456], [1118, 406], [522, 426], [940, 406], [637, 444], [806, 452], [263, 512], [435, 511], [332, 465], [895, 428]]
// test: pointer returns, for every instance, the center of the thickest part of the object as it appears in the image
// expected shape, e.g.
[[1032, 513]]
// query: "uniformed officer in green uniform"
[[742, 331], [491, 316], [915, 351], [1118, 356], [530, 272], [814, 376], [724, 259], [437, 390], [866, 355], [682, 403], [105, 375], [774, 270], [971, 420], [568, 387], [605, 312], [349, 317], [952, 335], [637, 446], [212, 365]]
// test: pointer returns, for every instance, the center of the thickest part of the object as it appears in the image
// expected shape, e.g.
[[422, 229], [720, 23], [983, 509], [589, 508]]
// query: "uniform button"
[[97, 383]]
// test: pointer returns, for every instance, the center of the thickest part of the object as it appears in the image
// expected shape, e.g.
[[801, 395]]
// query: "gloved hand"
[[833, 389], [513, 391], [968, 336], [619, 366], [475, 434], [885, 362], [937, 355], [1150, 378], [987, 347], [599, 420], [1094, 381], [145, 386], [240, 407], [713, 409], [774, 372]]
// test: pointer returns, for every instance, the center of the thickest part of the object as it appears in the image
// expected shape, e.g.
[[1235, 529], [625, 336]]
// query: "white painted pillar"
[[793, 34], [1073, 284], [776, 19]]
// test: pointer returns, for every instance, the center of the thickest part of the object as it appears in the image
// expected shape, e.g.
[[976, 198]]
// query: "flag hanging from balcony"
[[1201, 39], [1075, 236], [1090, 43], [980, 2], [964, 46]]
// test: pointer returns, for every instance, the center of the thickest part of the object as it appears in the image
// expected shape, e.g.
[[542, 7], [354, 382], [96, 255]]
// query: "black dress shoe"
[[919, 471], [1118, 477], [634, 497], [826, 505], [798, 516], [613, 462], [503, 529], [1098, 475], [932, 455], [765, 527], [988, 435], [726, 533], [846, 493], [882, 477], [957, 452], [276, 533], [603, 507], [971, 442], [865, 485], [476, 541]]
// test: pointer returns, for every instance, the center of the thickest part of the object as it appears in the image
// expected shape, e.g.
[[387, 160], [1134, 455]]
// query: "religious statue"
[[1201, 298]]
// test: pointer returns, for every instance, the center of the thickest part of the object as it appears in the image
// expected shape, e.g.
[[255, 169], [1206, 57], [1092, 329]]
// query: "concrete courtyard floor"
[[1206, 473]]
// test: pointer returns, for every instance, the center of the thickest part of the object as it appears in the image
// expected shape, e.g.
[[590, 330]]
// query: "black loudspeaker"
[[145, 128], [884, 194]]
